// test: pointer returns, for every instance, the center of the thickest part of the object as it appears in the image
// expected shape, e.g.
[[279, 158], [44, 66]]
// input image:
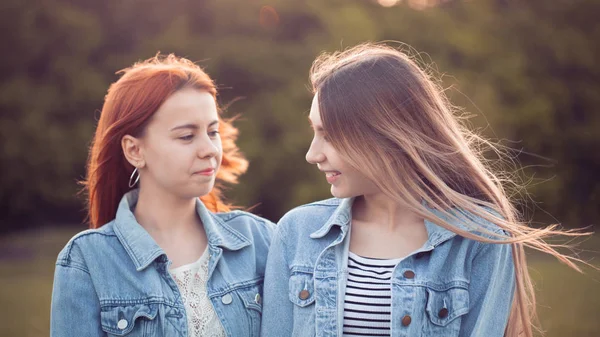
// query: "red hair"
[[130, 103]]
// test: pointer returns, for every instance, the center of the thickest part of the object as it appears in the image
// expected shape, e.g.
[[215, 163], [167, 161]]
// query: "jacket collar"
[[143, 250], [219, 233], [342, 216]]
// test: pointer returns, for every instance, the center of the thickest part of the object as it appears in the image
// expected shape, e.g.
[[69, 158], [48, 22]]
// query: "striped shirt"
[[368, 300]]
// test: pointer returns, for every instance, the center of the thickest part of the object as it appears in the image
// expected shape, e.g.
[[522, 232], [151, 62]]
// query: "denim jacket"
[[451, 286], [115, 281]]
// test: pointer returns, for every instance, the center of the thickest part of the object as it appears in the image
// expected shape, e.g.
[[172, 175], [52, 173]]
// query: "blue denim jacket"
[[114, 280], [473, 282]]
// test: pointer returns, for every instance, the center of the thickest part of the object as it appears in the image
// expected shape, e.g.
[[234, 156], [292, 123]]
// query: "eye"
[[187, 137], [318, 131], [322, 134], [213, 133]]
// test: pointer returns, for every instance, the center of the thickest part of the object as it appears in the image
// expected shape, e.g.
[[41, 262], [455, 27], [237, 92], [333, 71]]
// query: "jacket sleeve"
[[277, 314], [491, 291], [75, 309]]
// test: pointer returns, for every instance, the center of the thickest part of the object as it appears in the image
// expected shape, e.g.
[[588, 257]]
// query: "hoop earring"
[[136, 179]]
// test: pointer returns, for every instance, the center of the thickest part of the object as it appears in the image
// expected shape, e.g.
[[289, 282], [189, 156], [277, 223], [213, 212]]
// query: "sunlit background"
[[527, 72]]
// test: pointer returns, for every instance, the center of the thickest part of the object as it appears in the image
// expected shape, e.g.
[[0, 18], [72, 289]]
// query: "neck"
[[380, 210], [165, 215]]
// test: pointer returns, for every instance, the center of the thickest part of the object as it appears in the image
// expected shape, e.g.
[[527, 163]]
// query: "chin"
[[204, 191], [336, 192], [199, 191], [345, 193]]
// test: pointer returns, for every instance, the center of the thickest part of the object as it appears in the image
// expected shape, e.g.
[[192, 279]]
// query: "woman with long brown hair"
[[165, 255], [421, 238]]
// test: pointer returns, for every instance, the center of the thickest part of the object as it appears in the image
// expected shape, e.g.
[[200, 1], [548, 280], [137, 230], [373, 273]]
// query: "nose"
[[208, 148], [314, 155]]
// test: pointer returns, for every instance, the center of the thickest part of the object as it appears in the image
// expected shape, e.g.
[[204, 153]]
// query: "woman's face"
[[181, 146], [344, 179]]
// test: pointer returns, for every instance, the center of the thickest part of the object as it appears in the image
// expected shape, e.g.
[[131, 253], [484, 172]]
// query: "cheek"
[[360, 183], [170, 157]]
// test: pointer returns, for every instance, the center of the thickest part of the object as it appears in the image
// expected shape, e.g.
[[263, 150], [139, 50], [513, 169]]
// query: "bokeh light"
[[388, 3], [268, 17]]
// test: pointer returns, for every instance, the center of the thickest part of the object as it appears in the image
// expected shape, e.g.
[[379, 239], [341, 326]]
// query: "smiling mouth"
[[332, 176]]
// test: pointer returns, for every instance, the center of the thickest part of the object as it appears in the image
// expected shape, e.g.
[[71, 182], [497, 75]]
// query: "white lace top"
[[191, 280]]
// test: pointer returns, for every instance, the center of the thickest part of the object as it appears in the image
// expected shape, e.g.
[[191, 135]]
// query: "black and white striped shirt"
[[368, 300]]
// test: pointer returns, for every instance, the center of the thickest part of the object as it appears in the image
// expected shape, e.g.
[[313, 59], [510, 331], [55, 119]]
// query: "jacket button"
[[409, 274], [406, 320], [257, 299], [304, 294], [443, 313], [226, 299], [122, 324]]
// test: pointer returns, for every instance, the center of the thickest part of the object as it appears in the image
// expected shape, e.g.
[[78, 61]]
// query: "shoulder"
[[246, 222], [76, 251], [485, 226]]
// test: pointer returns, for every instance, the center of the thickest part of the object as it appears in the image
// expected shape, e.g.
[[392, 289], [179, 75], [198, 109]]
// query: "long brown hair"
[[374, 94], [130, 103]]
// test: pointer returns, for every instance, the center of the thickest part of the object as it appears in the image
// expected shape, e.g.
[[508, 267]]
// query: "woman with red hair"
[[165, 255]]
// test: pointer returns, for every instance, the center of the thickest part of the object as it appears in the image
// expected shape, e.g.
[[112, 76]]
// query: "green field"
[[569, 303]]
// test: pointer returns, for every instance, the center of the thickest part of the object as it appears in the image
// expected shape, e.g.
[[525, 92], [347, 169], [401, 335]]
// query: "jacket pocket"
[[302, 288], [251, 297], [302, 295], [444, 310], [128, 320]]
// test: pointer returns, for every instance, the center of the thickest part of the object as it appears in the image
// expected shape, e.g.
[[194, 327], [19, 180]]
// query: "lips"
[[206, 172], [331, 176]]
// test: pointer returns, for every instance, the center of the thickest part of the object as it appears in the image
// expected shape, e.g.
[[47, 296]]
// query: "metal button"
[[406, 320], [409, 274], [257, 299], [443, 313], [122, 324], [304, 294], [227, 299]]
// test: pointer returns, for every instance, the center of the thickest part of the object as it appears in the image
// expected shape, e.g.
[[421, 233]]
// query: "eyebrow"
[[192, 126]]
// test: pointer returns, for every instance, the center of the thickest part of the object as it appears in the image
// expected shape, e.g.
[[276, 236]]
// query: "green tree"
[[528, 71]]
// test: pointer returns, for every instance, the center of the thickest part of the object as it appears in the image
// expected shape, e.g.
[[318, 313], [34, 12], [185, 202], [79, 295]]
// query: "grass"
[[568, 302]]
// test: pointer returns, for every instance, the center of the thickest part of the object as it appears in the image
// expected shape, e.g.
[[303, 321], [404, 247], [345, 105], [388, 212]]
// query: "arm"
[[75, 307], [277, 314], [491, 291]]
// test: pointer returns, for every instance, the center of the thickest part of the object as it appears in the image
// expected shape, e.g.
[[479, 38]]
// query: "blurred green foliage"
[[529, 69]]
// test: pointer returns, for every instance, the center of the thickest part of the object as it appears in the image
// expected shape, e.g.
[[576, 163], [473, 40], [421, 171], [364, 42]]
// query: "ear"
[[132, 149]]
